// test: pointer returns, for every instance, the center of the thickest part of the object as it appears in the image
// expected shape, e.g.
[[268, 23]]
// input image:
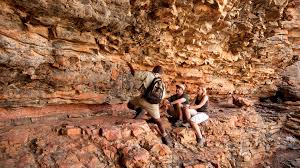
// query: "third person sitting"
[[196, 113], [178, 104]]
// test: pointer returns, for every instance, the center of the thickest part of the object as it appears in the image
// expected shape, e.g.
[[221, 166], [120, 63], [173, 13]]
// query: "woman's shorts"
[[198, 117]]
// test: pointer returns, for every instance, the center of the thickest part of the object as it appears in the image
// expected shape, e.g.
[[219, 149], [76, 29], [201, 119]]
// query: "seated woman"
[[195, 114]]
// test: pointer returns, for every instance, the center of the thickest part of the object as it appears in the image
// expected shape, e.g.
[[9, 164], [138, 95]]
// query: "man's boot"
[[178, 123], [187, 125], [151, 120], [139, 113]]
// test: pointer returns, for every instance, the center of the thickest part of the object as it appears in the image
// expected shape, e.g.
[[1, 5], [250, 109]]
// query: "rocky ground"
[[236, 137], [283, 121]]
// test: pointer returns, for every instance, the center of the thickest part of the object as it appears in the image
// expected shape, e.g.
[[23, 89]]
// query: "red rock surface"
[[70, 52], [235, 137], [64, 81]]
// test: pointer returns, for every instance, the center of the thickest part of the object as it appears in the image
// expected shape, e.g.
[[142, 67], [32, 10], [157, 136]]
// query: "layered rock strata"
[[66, 52], [289, 89]]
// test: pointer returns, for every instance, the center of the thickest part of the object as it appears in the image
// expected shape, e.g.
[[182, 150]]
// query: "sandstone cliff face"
[[62, 52], [289, 90]]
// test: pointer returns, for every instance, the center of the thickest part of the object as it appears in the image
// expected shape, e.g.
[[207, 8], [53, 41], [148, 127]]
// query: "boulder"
[[289, 90], [135, 157]]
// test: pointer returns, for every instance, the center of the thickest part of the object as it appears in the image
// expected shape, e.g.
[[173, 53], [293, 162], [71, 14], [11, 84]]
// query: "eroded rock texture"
[[290, 88], [235, 138], [61, 52]]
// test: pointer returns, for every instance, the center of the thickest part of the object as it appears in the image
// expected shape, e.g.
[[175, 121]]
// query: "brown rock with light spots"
[[135, 157], [111, 133]]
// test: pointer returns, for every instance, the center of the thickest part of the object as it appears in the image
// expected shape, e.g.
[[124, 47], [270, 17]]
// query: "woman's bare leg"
[[196, 128]]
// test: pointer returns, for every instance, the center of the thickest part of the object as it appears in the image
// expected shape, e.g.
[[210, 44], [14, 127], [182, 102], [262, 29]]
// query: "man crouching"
[[152, 92]]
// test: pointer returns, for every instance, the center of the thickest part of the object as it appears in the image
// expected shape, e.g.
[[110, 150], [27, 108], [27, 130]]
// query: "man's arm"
[[178, 101], [131, 68]]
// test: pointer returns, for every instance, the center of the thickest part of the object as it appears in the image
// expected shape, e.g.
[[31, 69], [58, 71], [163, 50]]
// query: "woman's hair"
[[203, 89], [158, 69]]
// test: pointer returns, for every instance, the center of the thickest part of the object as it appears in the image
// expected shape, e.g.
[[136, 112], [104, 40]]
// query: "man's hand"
[[131, 68], [165, 104]]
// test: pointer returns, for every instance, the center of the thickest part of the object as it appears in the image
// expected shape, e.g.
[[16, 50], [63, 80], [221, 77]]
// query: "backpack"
[[154, 92]]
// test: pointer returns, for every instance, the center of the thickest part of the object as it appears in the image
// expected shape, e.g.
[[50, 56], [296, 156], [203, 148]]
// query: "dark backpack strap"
[[151, 84]]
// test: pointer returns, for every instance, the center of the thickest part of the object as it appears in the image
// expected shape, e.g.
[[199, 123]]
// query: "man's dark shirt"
[[176, 97]]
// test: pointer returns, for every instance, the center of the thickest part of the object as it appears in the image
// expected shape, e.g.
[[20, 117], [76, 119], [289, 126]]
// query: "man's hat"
[[181, 86]]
